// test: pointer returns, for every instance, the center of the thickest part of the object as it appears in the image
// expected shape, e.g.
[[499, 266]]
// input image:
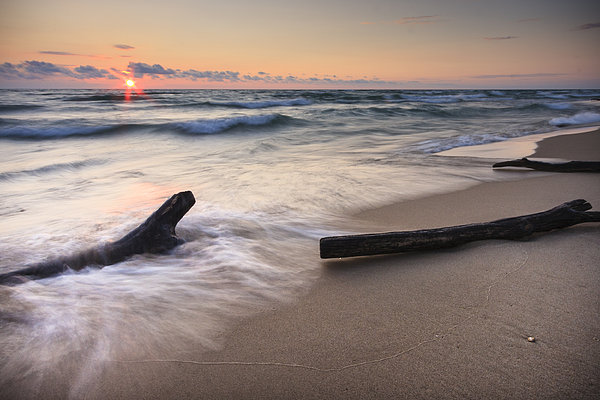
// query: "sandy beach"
[[441, 324]]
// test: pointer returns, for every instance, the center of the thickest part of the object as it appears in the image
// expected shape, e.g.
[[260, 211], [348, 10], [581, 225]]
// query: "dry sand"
[[440, 324]]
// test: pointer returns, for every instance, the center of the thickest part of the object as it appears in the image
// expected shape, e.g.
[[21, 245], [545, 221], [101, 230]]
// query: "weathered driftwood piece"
[[155, 235], [571, 166], [562, 216]]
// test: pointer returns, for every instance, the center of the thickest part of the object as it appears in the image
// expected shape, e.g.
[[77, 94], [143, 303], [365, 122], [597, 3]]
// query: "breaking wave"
[[217, 125], [581, 118]]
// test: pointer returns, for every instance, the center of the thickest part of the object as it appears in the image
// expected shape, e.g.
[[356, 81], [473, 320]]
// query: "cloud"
[[423, 19], [585, 27], [9, 70], [40, 70], [156, 70], [215, 76], [45, 70], [501, 38], [58, 53], [123, 46], [90, 72], [67, 53], [513, 76], [419, 20], [330, 80]]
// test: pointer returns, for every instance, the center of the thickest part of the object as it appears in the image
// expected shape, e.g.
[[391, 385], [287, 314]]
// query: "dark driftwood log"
[[562, 216], [155, 235], [571, 166]]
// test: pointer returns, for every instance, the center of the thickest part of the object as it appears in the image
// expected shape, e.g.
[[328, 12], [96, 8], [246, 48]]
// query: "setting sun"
[[130, 83]]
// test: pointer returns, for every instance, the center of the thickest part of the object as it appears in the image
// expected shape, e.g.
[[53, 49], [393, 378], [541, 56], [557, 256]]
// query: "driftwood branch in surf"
[[155, 235], [562, 216], [571, 166]]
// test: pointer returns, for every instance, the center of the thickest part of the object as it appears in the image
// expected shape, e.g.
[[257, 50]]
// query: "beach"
[[451, 323], [245, 308]]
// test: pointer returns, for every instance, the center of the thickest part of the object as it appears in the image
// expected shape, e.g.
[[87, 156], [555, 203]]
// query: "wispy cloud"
[[529, 20], [124, 46], [585, 27], [68, 53], [517, 76], [58, 53], [423, 19], [419, 20], [501, 38]]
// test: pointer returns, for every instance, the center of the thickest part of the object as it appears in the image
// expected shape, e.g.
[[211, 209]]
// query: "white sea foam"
[[437, 145], [581, 118]]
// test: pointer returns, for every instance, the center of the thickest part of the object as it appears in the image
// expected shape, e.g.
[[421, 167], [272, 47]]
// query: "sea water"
[[272, 172]]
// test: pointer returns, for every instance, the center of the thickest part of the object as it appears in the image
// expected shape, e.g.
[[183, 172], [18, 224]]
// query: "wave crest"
[[264, 104], [577, 119], [52, 132], [217, 125]]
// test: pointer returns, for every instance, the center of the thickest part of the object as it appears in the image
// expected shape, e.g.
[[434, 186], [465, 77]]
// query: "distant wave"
[[263, 104], [444, 98], [54, 132], [558, 106], [581, 118], [588, 94], [117, 97], [553, 95], [200, 126], [217, 125], [18, 107], [5, 176]]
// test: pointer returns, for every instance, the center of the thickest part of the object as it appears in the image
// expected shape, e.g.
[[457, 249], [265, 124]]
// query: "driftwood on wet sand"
[[562, 216], [155, 235], [571, 166]]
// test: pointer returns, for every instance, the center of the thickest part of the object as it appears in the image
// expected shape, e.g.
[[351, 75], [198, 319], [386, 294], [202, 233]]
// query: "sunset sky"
[[300, 44]]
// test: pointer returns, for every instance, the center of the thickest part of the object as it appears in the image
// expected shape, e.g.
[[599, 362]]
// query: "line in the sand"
[[436, 337]]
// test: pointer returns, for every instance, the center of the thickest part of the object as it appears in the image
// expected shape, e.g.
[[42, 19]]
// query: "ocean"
[[272, 172]]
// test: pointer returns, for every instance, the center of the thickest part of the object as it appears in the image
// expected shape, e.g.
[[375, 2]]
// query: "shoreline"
[[577, 145], [451, 323], [529, 146]]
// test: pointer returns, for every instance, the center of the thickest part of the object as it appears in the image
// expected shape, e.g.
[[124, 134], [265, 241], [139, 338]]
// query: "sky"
[[337, 44]]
